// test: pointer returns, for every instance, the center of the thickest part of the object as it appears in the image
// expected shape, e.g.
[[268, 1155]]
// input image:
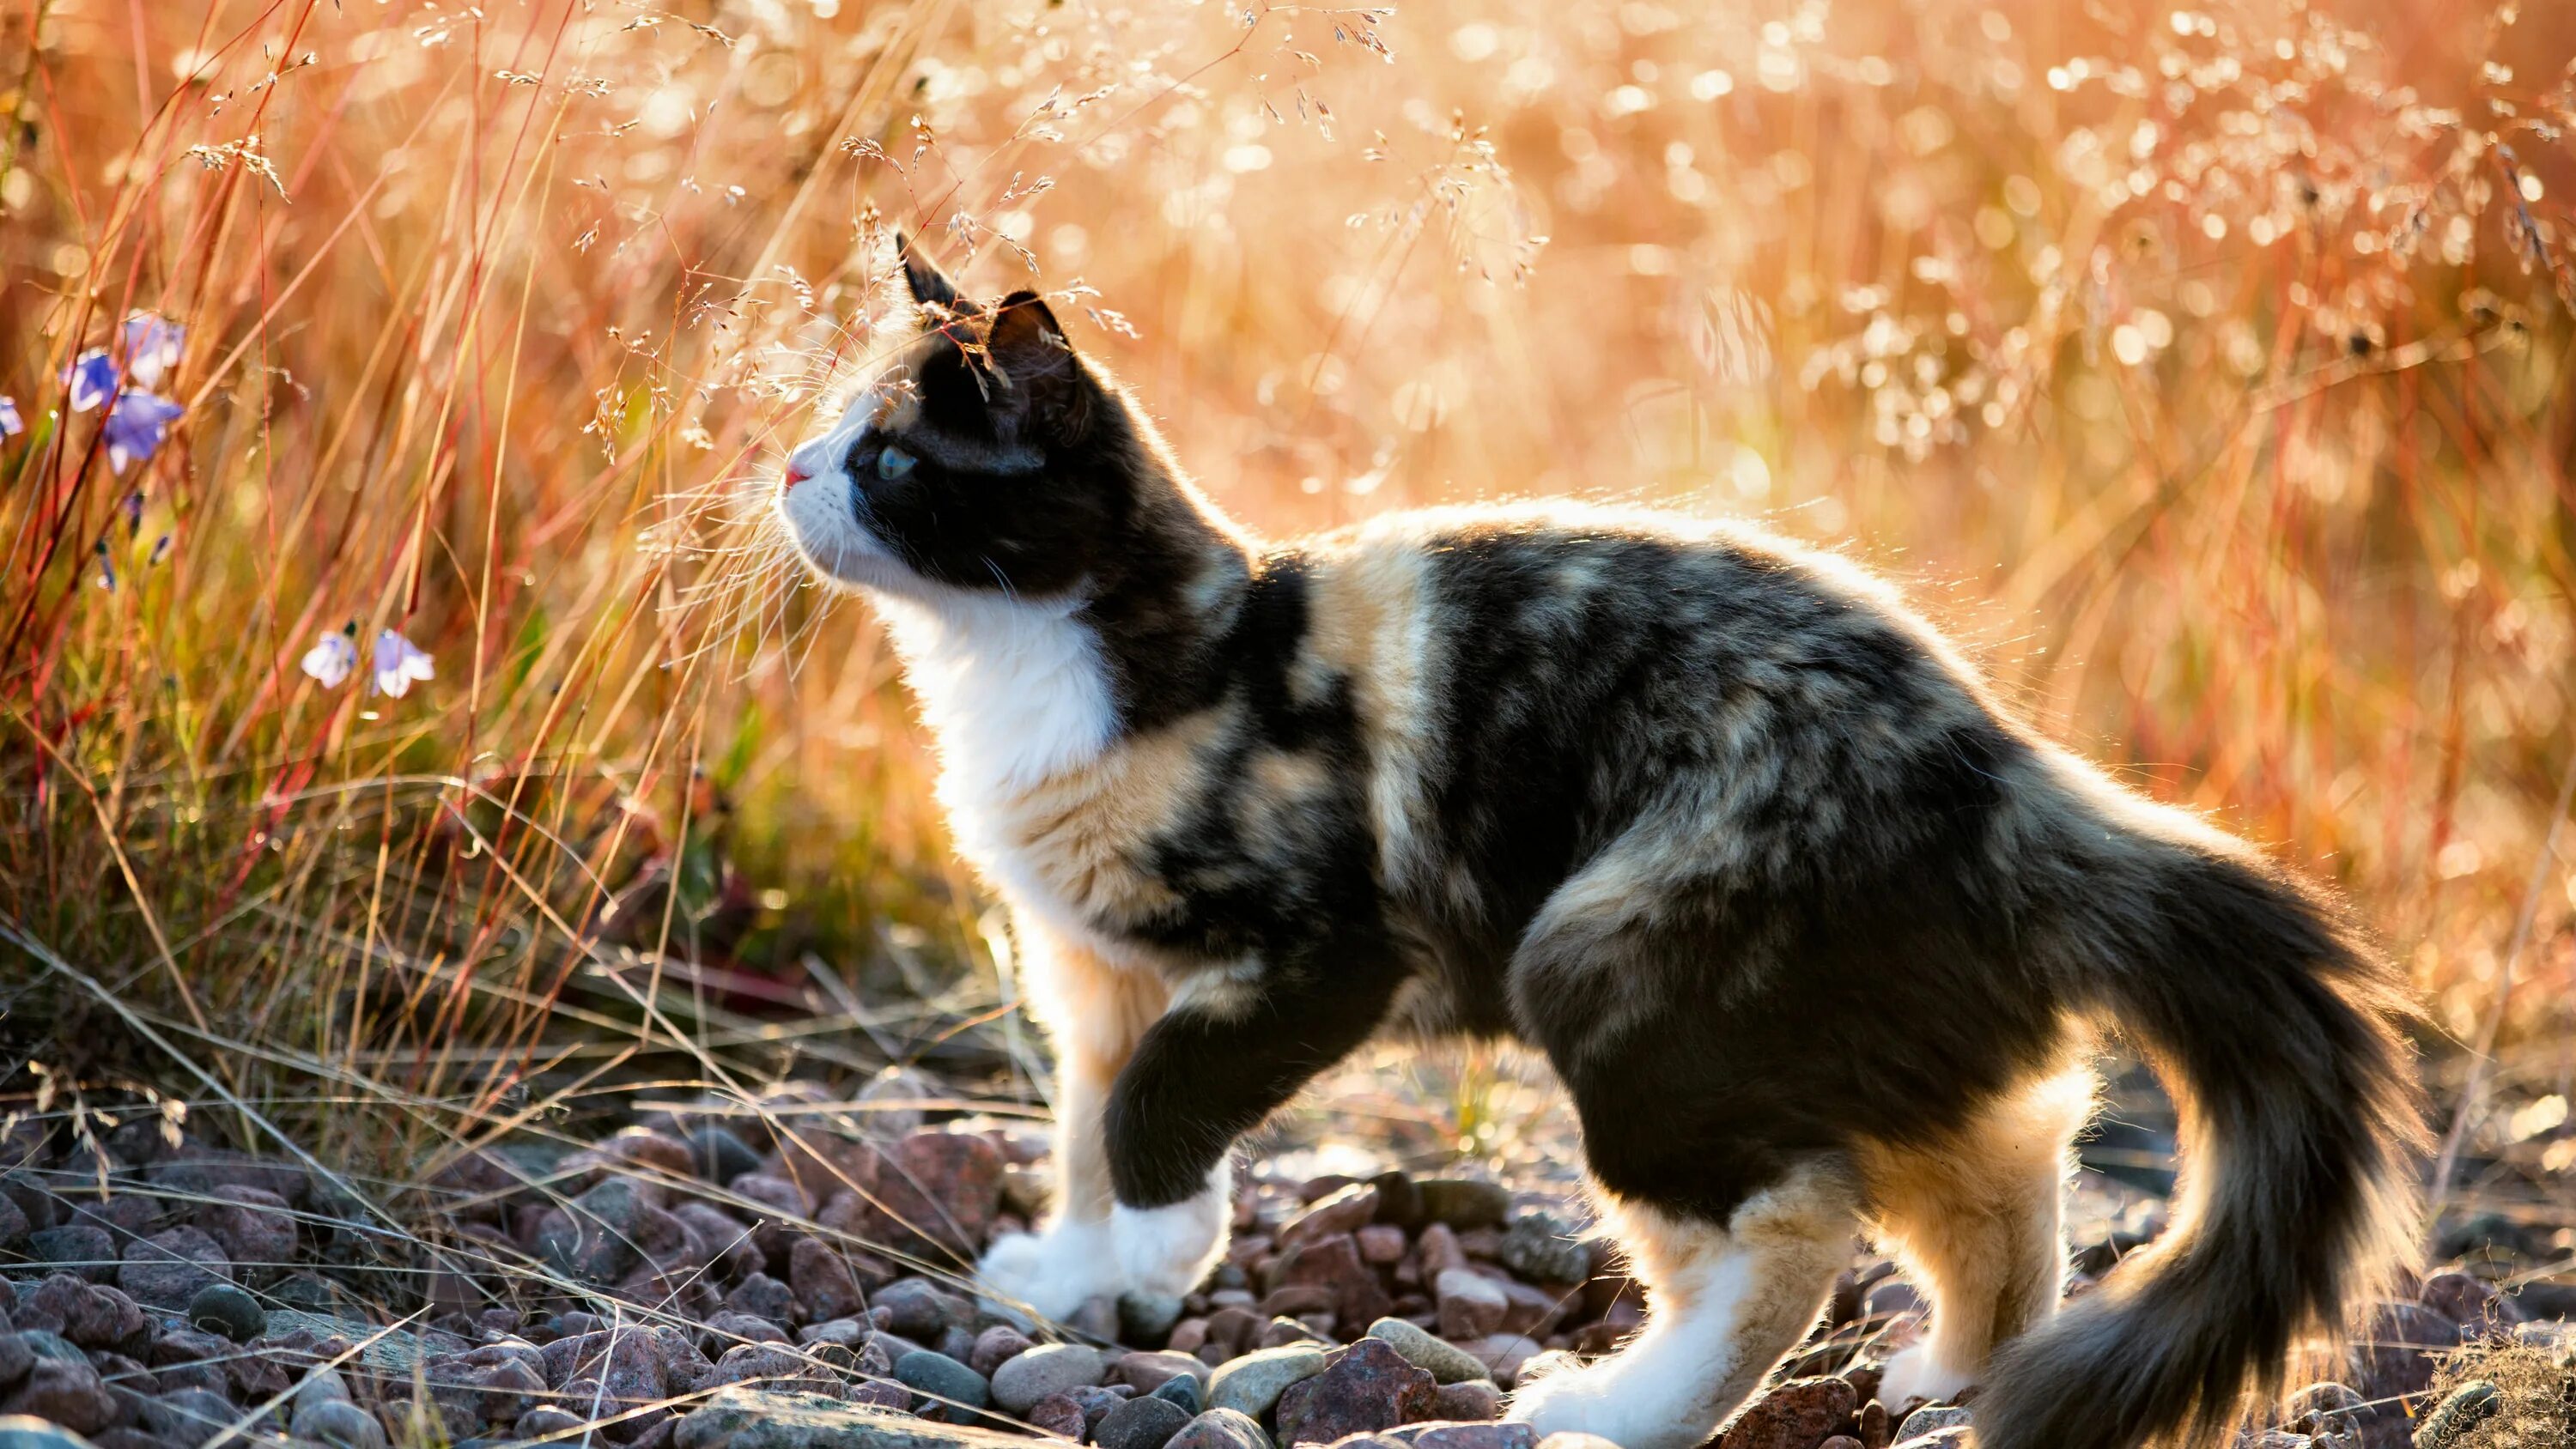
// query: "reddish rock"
[[1382, 1245], [1146, 1372], [1471, 1399], [934, 1190], [1471, 1304], [822, 1282], [1364, 1388], [1060, 1415], [1795, 1415], [68, 1393], [89, 1315], [1344, 1210], [253, 1227], [1437, 1250], [727, 1239], [166, 1269], [762, 1296], [995, 1347], [1334, 1263]]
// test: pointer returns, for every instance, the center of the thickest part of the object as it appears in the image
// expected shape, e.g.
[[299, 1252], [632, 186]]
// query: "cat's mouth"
[[820, 515]]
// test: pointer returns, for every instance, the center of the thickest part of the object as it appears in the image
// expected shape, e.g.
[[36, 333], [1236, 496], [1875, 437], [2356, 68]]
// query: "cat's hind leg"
[[1724, 1303], [1976, 1220]]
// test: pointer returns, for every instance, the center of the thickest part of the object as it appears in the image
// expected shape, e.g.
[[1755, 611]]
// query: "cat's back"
[[1528, 680]]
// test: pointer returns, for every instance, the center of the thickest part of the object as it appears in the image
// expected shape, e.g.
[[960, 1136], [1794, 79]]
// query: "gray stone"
[[955, 1390], [721, 1156], [337, 1421], [25, 1431], [15, 1358], [1448, 1363], [1927, 1420], [1539, 1248], [1182, 1389], [229, 1310], [1472, 1400], [914, 1308], [1482, 1434], [1463, 1202], [1220, 1429], [70, 1394], [766, 1419], [1049, 1369], [192, 1416], [1252, 1384], [1146, 1423]]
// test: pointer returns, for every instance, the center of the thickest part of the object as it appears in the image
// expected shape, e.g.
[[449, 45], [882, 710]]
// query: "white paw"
[[1055, 1271], [1602, 1400], [1168, 1250], [1915, 1374]]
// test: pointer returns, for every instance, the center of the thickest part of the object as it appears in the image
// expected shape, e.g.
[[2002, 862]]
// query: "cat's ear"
[[1029, 347], [930, 286]]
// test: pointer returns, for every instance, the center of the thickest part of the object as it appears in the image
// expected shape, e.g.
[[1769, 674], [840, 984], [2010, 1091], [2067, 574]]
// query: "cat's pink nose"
[[796, 473]]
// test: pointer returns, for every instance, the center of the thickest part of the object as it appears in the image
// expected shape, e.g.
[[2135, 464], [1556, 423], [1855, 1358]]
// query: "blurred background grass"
[[2207, 370]]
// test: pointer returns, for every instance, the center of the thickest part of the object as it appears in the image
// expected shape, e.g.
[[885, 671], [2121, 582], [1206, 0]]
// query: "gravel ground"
[[796, 1279]]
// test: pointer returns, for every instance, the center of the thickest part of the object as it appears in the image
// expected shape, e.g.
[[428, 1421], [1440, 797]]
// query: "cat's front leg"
[[1230, 1051], [1095, 1014]]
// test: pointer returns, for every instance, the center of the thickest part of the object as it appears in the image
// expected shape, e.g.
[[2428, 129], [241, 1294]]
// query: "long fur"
[[1714, 821]]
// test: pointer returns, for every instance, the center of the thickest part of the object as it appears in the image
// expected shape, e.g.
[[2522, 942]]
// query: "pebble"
[[1333, 1263], [1364, 1388], [15, 1357], [1471, 1305], [1098, 1399], [1148, 1371], [1464, 1203], [1060, 1415], [1795, 1415], [82, 1248], [720, 1156], [545, 1419], [1143, 1423], [913, 1308], [1930, 1419], [69, 1393], [1183, 1390], [1253, 1383], [166, 1269], [1472, 1399], [337, 1421], [1448, 1364], [21, 1432], [821, 1282], [253, 1227], [1503, 1354], [1021, 1381], [1220, 1429], [1470, 1436], [229, 1310], [955, 1390], [1538, 1247]]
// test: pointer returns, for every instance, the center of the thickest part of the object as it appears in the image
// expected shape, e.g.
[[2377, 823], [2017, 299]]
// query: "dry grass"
[[2209, 370]]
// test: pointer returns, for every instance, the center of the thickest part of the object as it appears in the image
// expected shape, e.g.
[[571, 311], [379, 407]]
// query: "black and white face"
[[972, 461]]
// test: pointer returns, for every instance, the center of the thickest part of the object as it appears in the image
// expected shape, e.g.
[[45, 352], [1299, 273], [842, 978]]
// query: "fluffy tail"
[[2275, 1028]]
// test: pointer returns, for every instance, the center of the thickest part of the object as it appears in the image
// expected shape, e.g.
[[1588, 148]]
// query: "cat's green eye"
[[893, 463]]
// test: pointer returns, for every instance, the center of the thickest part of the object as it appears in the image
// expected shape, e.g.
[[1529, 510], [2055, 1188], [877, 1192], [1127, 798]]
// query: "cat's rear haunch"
[[1815, 936]]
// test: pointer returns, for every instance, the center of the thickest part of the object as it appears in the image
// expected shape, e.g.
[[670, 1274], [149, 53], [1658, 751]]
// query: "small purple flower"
[[152, 344], [92, 379], [398, 663], [11, 425], [106, 568], [333, 656], [137, 426], [160, 550]]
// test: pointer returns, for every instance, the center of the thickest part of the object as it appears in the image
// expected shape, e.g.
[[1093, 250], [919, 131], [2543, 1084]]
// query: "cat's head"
[[984, 455]]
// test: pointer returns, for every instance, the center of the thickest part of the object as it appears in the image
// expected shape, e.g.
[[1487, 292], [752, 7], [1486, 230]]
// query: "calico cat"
[[1814, 934]]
